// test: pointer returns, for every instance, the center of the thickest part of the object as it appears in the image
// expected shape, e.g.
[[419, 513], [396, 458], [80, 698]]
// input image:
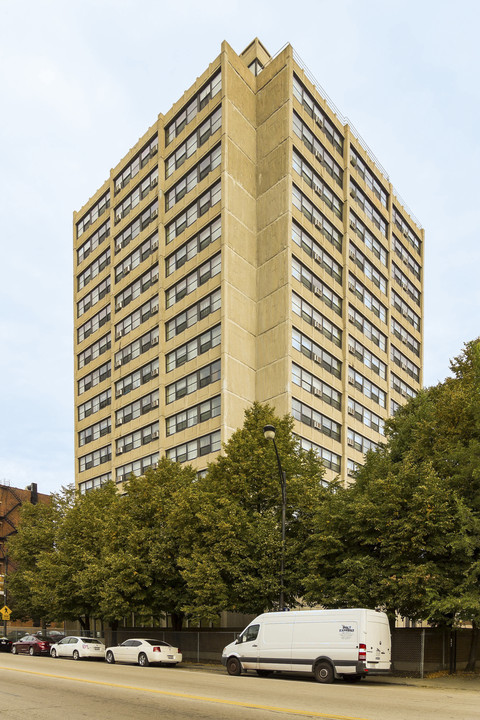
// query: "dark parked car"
[[5, 644], [33, 645]]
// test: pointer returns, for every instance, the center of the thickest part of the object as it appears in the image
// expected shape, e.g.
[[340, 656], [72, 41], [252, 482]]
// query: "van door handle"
[[254, 645]]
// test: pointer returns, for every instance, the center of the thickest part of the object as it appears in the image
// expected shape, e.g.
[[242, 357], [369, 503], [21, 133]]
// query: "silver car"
[[77, 647], [144, 651]]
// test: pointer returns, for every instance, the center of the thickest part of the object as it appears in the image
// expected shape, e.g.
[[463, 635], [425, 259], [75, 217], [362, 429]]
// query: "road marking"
[[187, 696]]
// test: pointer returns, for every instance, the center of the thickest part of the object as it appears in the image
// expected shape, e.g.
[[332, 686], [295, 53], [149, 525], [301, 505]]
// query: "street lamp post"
[[269, 434]]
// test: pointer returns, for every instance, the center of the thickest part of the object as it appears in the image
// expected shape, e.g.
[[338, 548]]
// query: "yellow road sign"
[[5, 612]]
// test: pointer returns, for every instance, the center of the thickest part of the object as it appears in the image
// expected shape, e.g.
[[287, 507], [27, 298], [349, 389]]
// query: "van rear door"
[[378, 642]]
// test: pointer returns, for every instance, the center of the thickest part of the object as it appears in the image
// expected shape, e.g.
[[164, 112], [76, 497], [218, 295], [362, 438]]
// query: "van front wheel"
[[323, 672], [234, 666]]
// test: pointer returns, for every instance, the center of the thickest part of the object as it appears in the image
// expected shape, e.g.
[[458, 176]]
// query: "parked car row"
[[142, 651]]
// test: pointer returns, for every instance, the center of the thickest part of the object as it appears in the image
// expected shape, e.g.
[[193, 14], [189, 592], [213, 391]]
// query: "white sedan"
[[77, 647], [143, 652]]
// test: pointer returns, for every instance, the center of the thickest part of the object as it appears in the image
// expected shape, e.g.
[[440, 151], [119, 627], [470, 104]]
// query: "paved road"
[[42, 688]]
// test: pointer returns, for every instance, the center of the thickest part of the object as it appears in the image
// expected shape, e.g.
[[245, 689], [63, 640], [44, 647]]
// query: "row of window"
[[137, 438], [193, 416], [406, 258], [136, 196], [305, 171], [93, 214], [370, 240], [193, 280], [193, 348], [367, 329], [90, 407], [407, 339], [94, 351], [313, 351], [193, 314], [94, 483], [137, 408], [136, 467], [139, 316], [405, 310], [402, 387], [369, 270], [189, 181], [406, 230], [366, 416], [359, 442], [193, 382], [193, 142], [137, 347], [405, 284], [192, 247], [330, 459], [136, 257], [315, 147], [189, 112], [315, 112], [368, 208], [368, 358], [138, 162], [95, 377], [369, 178], [198, 208], [310, 211], [319, 322], [137, 378], [135, 289], [307, 415], [314, 250], [402, 361], [93, 297], [99, 429], [97, 457], [93, 241], [366, 297], [367, 387], [92, 325], [315, 386], [134, 229], [195, 448], [91, 272], [313, 283]]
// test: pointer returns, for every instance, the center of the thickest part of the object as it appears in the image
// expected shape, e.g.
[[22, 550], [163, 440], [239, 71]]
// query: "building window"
[[256, 67], [93, 297], [368, 208], [189, 181], [195, 448], [189, 112], [94, 351], [193, 416], [93, 269], [93, 214], [407, 339], [92, 325], [320, 356], [194, 280], [315, 112], [315, 251], [93, 242], [394, 406], [405, 310], [311, 212], [134, 229], [135, 319], [136, 196], [94, 483], [407, 258], [402, 280], [137, 347], [329, 459], [319, 186], [369, 300], [95, 404], [401, 387], [195, 245], [137, 378], [135, 289], [136, 439], [366, 416], [359, 442], [136, 409], [367, 268], [307, 415], [200, 310], [95, 431], [136, 257], [370, 240], [138, 162], [192, 349], [352, 468], [370, 360], [407, 231], [319, 322], [313, 283], [315, 386], [97, 457], [369, 178], [367, 387], [321, 153], [198, 208], [193, 142], [136, 467], [95, 377], [402, 361], [366, 327], [193, 382]]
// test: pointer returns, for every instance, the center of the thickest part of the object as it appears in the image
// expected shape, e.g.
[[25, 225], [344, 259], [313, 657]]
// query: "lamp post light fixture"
[[269, 434]]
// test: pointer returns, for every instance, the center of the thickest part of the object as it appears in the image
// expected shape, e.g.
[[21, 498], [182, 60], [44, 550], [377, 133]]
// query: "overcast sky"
[[82, 80]]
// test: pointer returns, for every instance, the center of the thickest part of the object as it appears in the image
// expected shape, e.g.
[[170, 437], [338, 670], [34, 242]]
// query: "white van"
[[348, 643]]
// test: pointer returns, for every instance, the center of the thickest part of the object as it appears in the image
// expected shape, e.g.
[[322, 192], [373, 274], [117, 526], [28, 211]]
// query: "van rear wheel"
[[323, 672], [234, 666]]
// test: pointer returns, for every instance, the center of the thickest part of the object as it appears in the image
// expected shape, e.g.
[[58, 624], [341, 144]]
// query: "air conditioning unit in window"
[[351, 348], [405, 232], [319, 121], [352, 253], [316, 358], [351, 411], [118, 247], [351, 442], [154, 182], [154, 214], [154, 309], [155, 340], [120, 421], [351, 286], [154, 372], [317, 290], [353, 161], [317, 189], [119, 450], [154, 244], [317, 325], [317, 392], [353, 193], [119, 333], [155, 435], [317, 425], [127, 269], [352, 224], [317, 257], [118, 362], [119, 304], [155, 403], [318, 223], [119, 392]]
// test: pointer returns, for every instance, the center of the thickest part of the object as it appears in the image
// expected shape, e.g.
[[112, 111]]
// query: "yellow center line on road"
[[187, 696]]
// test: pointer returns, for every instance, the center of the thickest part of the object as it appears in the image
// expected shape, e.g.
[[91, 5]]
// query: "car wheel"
[[323, 672], [31, 651], [264, 673], [143, 660], [234, 666], [53, 653], [109, 657], [14, 650], [76, 655]]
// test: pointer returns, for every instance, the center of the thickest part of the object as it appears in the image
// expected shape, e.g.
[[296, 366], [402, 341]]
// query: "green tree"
[[233, 557]]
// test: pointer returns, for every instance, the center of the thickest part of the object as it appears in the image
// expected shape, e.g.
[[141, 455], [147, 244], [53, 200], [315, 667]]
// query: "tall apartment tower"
[[248, 247]]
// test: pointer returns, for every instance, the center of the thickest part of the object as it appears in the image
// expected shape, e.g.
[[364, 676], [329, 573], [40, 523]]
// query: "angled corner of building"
[[248, 247]]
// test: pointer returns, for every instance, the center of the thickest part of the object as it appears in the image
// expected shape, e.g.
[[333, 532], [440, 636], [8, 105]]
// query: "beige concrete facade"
[[248, 247]]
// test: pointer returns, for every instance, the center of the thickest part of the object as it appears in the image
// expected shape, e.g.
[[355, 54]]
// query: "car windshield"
[[157, 642]]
